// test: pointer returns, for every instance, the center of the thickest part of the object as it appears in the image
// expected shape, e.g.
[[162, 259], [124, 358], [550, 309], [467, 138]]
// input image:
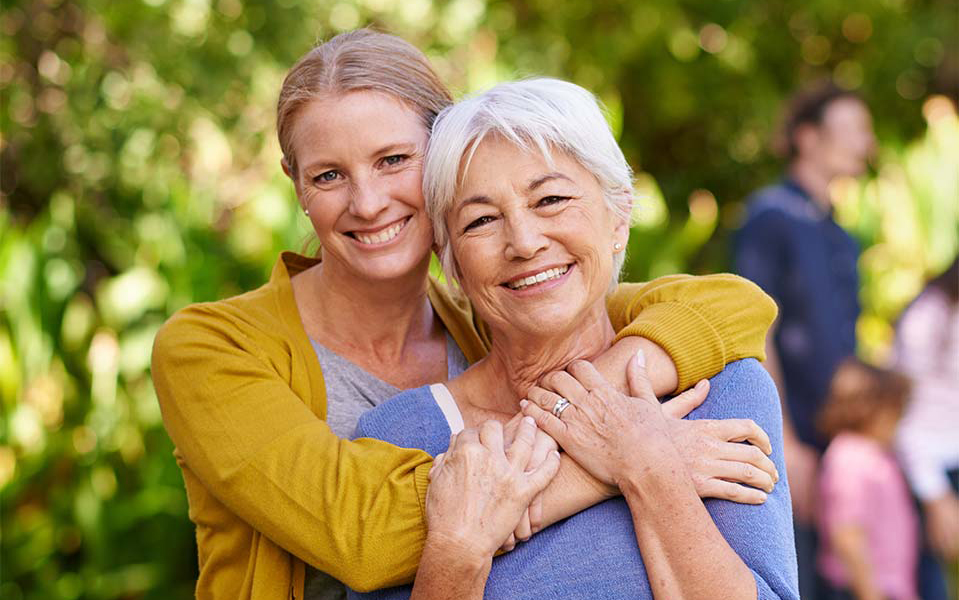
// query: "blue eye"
[[326, 177], [394, 159], [478, 223]]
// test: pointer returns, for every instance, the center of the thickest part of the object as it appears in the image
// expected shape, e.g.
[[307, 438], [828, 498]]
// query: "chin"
[[392, 268]]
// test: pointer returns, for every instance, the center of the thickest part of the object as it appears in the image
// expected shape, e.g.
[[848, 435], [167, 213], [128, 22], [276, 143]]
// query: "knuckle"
[[542, 419], [735, 493]]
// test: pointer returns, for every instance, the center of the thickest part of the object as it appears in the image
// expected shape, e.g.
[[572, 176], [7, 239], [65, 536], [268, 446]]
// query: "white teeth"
[[540, 277], [380, 236]]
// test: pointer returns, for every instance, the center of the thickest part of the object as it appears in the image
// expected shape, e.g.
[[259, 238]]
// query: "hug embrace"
[[355, 427]]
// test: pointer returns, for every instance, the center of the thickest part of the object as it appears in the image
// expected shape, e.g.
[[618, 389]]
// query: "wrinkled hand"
[[607, 432], [532, 519], [942, 525], [719, 465], [479, 490]]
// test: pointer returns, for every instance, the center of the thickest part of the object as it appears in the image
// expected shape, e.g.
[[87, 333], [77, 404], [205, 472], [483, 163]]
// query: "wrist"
[[659, 365], [656, 469], [459, 552]]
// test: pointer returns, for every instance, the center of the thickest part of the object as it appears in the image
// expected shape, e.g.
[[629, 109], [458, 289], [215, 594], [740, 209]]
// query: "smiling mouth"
[[380, 236], [549, 274]]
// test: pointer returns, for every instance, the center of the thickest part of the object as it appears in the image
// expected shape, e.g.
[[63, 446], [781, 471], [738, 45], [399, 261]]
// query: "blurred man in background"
[[792, 247]]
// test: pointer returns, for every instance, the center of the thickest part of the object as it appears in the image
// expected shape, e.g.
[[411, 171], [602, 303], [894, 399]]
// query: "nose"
[[524, 237], [367, 200]]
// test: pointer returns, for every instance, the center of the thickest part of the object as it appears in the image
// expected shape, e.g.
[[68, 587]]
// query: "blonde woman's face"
[[359, 160]]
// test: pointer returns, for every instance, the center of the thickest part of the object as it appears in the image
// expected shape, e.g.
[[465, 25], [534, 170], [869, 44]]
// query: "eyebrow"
[[535, 183], [408, 147], [532, 185], [477, 199]]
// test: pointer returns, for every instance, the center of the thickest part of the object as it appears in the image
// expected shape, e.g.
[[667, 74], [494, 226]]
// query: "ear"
[[621, 223], [286, 169]]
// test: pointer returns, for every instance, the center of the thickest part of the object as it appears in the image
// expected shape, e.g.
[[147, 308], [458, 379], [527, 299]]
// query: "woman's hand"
[[720, 466], [604, 430], [479, 490], [532, 519]]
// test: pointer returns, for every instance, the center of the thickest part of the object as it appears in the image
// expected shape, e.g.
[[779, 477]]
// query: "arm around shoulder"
[[702, 322], [233, 402]]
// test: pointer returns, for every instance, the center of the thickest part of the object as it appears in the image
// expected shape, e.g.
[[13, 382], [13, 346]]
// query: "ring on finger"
[[561, 405]]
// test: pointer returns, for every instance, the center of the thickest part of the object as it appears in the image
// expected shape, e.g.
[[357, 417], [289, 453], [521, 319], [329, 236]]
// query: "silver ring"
[[561, 405]]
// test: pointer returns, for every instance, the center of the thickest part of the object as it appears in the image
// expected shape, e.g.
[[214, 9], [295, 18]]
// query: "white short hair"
[[542, 113]]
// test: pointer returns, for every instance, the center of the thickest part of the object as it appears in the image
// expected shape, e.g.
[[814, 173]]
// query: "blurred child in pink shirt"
[[868, 523]]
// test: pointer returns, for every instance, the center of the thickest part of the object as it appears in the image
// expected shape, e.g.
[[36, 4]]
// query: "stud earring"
[[617, 246], [306, 211]]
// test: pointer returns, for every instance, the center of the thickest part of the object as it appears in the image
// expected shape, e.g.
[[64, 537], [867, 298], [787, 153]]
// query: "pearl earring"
[[306, 211], [617, 246]]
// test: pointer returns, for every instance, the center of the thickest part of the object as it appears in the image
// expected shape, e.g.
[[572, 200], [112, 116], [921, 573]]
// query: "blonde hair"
[[359, 60]]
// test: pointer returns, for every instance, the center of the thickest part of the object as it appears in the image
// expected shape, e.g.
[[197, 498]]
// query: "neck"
[[516, 362], [813, 180], [380, 316]]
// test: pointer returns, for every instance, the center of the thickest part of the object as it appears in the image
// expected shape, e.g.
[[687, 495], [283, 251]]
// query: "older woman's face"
[[359, 173], [533, 242]]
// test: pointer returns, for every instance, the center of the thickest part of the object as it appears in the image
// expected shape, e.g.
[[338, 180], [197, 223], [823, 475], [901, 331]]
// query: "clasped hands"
[[492, 479]]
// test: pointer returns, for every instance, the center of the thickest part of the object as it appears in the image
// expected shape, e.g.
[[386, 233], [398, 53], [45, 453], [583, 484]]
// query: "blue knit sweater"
[[593, 555]]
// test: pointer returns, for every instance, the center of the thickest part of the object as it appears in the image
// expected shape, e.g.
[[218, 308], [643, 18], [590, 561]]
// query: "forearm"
[[703, 323], [447, 573], [573, 490], [661, 368], [686, 556]]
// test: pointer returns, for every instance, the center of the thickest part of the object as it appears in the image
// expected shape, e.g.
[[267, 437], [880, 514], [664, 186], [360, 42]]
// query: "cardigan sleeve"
[[353, 509], [702, 322]]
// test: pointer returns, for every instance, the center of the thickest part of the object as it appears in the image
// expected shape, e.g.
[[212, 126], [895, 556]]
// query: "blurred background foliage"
[[139, 172]]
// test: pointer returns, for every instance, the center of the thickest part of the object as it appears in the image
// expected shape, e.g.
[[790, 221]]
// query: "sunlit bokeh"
[[139, 172]]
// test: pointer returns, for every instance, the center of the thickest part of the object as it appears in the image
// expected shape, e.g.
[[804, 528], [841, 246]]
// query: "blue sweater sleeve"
[[411, 419], [762, 535]]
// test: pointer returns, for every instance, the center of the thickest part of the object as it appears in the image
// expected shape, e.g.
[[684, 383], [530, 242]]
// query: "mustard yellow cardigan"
[[269, 485]]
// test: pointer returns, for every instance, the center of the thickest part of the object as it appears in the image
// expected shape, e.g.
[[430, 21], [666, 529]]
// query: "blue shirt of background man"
[[800, 256]]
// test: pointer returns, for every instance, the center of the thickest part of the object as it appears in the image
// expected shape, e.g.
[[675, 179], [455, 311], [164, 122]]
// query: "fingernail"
[[529, 420], [701, 384], [523, 403], [641, 358], [554, 453], [776, 476]]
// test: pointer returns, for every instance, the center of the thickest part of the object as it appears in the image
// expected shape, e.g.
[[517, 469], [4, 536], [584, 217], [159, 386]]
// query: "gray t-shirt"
[[350, 392]]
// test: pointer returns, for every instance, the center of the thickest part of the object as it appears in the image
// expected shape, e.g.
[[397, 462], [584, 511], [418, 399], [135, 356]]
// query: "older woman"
[[530, 197], [258, 391]]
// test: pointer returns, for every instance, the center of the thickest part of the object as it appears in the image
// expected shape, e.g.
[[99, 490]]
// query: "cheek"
[[409, 184]]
